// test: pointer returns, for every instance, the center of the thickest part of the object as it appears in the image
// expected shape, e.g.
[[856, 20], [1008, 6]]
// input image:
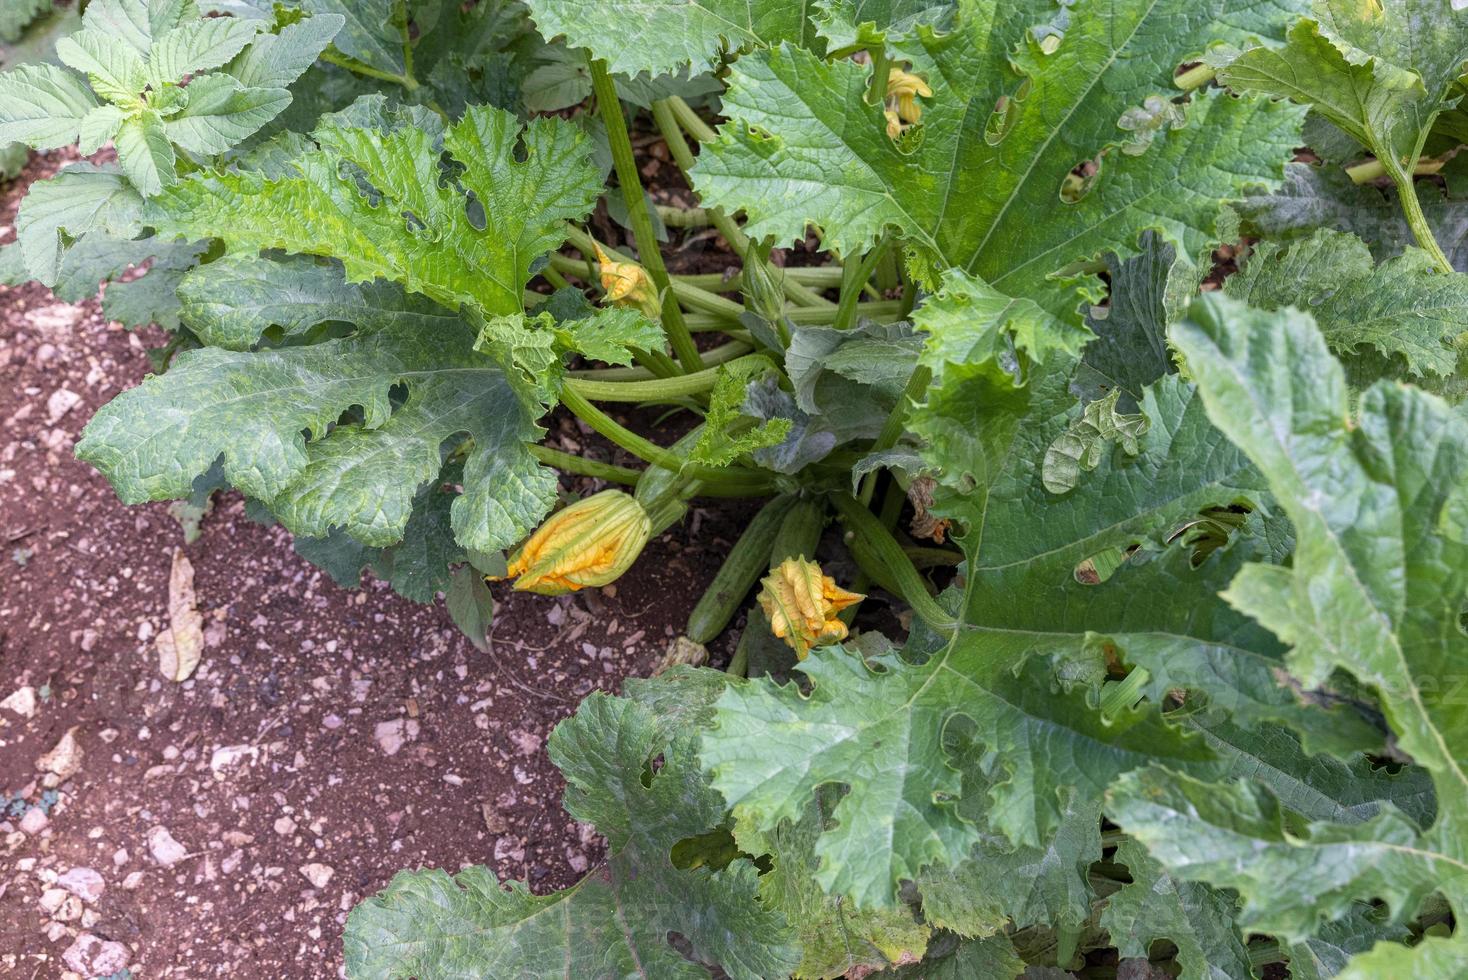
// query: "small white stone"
[[93, 957], [391, 735], [34, 821], [22, 701], [227, 756], [285, 826], [318, 874], [165, 850], [62, 400], [85, 883]]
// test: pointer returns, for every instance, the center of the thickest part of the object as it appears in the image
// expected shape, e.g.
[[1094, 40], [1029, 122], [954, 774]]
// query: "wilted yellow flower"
[[905, 87], [894, 124], [590, 543], [802, 605], [628, 284]]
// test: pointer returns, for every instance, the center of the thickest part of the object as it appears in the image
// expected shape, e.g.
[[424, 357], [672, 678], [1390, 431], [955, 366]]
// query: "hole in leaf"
[[1102, 565], [1213, 528], [1079, 182], [713, 850], [1001, 120]]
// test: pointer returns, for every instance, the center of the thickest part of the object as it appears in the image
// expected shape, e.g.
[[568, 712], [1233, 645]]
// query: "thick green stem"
[[884, 312], [356, 67], [586, 467], [714, 356], [651, 390], [855, 281], [684, 217], [917, 384], [881, 75], [672, 117], [713, 478], [1370, 170], [1195, 77], [1412, 209], [818, 276], [609, 106], [879, 542]]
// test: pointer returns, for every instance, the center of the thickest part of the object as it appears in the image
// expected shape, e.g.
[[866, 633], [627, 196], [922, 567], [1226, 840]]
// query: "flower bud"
[[628, 284], [590, 543], [802, 605], [762, 292]]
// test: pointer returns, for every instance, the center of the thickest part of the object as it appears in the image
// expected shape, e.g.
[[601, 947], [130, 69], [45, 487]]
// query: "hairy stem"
[[714, 356], [917, 384], [741, 481], [1195, 77], [1412, 209], [586, 467], [609, 107], [651, 390], [856, 279], [1370, 170]]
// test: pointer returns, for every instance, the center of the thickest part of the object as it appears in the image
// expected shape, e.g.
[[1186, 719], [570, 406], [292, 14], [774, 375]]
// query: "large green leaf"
[[232, 302], [615, 922], [980, 188], [166, 76], [1000, 884], [415, 227], [1196, 917], [1402, 307], [835, 936], [847, 24], [1381, 71], [152, 441], [1000, 399], [880, 729], [1375, 589], [662, 36]]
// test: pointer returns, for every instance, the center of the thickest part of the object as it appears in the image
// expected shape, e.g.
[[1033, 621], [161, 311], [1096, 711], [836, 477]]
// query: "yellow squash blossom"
[[906, 87], [590, 543], [802, 605], [628, 284]]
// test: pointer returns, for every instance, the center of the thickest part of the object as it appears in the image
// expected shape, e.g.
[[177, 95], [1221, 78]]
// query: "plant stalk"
[[917, 384], [713, 357], [609, 106], [1195, 77], [855, 280], [1412, 209], [585, 467], [651, 390], [742, 481]]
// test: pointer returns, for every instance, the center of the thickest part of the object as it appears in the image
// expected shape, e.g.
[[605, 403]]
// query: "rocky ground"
[[225, 825]]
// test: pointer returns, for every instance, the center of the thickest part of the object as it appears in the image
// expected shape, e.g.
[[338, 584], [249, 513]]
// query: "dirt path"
[[225, 825]]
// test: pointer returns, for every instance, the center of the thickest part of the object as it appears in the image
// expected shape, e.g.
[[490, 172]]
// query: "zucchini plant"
[[1177, 538]]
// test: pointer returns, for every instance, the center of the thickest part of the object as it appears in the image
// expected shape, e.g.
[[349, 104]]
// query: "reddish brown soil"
[[267, 760]]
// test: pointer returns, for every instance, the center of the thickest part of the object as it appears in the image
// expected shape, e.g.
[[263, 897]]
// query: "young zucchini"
[[800, 532], [747, 561]]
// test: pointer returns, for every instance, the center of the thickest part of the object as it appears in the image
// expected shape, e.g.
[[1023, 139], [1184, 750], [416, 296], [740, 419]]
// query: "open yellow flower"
[[590, 543], [628, 284], [802, 605], [906, 87]]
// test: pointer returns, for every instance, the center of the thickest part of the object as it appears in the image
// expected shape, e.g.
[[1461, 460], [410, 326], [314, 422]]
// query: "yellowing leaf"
[[182, 642]]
